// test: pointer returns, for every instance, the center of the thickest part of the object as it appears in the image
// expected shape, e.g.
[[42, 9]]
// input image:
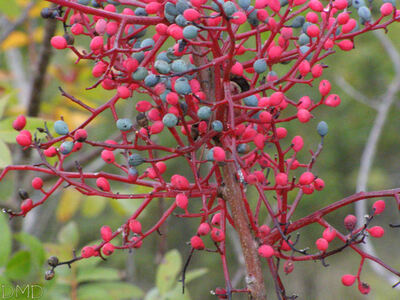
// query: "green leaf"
[[191, 275], [10, 8], [5, 155], [176, 294], [153, 294], [19, 265], [4, 281], [100, 273], [33, 245], [3, 103], [5, 240], [69, 234], [168, 270], [109, 290], [93, 206]]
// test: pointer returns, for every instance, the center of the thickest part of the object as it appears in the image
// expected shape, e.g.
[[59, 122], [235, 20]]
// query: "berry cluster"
[[218, 94]]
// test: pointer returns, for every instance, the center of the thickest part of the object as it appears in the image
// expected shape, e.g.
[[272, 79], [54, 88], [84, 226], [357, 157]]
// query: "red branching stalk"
[[218, 108]]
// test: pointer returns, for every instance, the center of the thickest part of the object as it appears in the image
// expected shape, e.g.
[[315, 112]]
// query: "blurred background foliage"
[[69, 220]]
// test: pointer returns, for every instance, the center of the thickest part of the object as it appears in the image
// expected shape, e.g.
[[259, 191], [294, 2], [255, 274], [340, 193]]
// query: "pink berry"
[[276, 98], [315, 5], [87, 252], [281, 132], [303, 115], [332, 100], [197, 243], [123, 92], [59, 42], [108, 156], [306, 178], [37, 183], [216, 219], [266, 251], [217, 235], [191, 14], [204, 229], [181, 201], [50, 152], [153, 7], [143, 106], [264, 230], [19, 123], [281, 179], [376, 231], [103, 184], [379, 207], [348, 279], [297, 143], [316, 71], [322, 244], [108, 249], [329, 234], [23, 140], [96, 43], [319, 184], [218, 154], [364, 288], [346, 45], [106, 233], [324, 87], [350, 222], [386, 9], [179, 182], [304, 68], [80, 135], [135, 226], [238, 18], [26, 205]]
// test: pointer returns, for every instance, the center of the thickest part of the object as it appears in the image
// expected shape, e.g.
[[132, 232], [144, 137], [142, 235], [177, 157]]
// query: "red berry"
[[19, 123], [281, 132], [281, 179], [80, 135], [96, 43], [266, 251], [350, 222], [288, 266], [297, 143], [59, 42], [153, 7], [123, 92], [319, 184], [23, 139], [204, 229], [108, 156], [181, 201], [313, 31], [386, 9], [348, 279], [37, 183], [322, 244], [332, 100], [111, 142], [87, 252], [316, 71], [220, 292], [346, 45], [217, 235], [329, 234], [143, 106], [340, 4], [191, 14], [264, 230], [179, 182], [103, 184], [135, 226], [306, 178], [106, 233], [26, 205], [324, 87], [218, 154], [137, 242], [108, 249], [304, 68], [197, 243], [50, 152], [216, 219], [343, 18], [376, 231], [379, 207], [364, 288], [285, 246], [276, 98]]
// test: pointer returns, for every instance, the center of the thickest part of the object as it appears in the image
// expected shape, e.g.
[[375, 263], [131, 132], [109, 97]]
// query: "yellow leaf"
[[15, 40], [68, 205], [38, 34], [93, 206], [73, 118]]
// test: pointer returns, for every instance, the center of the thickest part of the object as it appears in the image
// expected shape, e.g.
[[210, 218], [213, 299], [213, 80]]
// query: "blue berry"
[[244, 4], [147, 43], [298, 22], [151, 80], [364, 13], [304, 39], [162, 67], [251, 101], [170, 9], [242, 148], [322, 128], [182, 86], [190, 32], [66, 147], [139, 56], [204, 113], [304, 49], [170, 120], [260, 66], [229, 8], [140, 73], [135, 159], [358, 3], [124, 124], [179, 66], [217, 126], [181, 21], [181, 6], [84, 2], [60, 127], [140, 11], [163, 56]]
